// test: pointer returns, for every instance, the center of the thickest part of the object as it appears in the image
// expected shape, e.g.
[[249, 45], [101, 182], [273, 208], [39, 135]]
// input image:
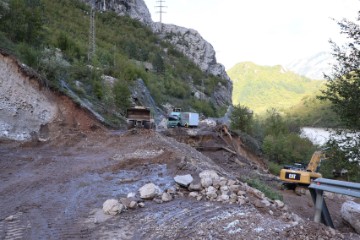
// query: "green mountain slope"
[[263, 87], [52, 37]]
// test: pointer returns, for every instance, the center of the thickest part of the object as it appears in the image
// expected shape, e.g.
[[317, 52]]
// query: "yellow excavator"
[[299, 176]]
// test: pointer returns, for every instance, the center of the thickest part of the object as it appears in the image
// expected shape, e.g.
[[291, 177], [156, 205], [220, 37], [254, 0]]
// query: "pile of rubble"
[[209, 187]]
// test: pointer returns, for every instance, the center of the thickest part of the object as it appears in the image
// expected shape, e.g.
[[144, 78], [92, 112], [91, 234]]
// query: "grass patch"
[[268, 191]]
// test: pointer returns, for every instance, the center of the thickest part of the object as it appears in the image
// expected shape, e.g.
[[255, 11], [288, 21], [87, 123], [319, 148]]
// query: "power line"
[[161, 8]]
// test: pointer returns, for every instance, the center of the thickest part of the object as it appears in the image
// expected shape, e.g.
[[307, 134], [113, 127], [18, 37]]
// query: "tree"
[[343, 91], [242, 119], [22, 20], [343, 87]]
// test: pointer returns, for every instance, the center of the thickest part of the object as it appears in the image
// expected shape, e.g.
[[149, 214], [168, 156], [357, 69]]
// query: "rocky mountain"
[[187, 41], [314, 66]]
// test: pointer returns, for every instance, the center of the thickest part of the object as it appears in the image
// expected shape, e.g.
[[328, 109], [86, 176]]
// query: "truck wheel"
[[130, 125], [147, 125]]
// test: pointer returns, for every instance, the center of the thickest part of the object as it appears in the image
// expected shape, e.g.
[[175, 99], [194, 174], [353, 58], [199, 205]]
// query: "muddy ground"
[[55, 190]]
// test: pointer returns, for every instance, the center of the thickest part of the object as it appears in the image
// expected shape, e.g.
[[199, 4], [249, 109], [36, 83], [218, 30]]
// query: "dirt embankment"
[[54, 188], [30, 111]]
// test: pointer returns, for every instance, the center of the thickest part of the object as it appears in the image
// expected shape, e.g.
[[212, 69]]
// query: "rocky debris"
[[350, 212], [183, 180], [195, 187], [149, 191], [166, 197], [112, 207]]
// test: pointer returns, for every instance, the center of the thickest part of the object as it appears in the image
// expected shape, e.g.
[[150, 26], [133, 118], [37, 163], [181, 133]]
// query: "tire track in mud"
[[15, 228]]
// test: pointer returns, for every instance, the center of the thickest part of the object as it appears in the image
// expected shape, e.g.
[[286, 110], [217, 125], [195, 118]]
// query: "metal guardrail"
[[319, 185], [335, 186]]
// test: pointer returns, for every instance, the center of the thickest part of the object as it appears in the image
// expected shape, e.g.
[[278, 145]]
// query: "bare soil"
[[55, 190]]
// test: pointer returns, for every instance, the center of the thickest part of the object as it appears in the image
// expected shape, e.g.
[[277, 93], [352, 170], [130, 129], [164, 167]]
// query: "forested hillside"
[[52, 37], [262, 87]]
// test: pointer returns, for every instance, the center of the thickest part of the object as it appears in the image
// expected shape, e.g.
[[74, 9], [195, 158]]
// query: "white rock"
[[206, 182], [193, 194], [183, 180], [131, 195], [224, 189], [133, 205], [279, 204], [350, 212], [166, 197], [149, 191], [211, 192], [224, 198], [10, 218], [195, 187], [112, 207], [209, 173], [141, 204]]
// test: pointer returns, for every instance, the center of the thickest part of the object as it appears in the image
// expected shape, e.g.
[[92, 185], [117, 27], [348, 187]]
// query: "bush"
[[268, 191], [241, 119], [275, 168], [288, 148]]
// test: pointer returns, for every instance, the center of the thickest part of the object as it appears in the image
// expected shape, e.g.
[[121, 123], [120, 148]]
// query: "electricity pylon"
[[161, 8], [92, 46]]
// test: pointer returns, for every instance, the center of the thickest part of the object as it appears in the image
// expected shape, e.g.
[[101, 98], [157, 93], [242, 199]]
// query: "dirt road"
[[55, 190]]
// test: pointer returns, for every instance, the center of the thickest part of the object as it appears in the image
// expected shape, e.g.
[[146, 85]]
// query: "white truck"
[[189, 119]]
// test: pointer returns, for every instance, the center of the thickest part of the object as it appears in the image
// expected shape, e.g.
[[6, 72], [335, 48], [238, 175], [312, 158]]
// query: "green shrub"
[[268, 191], [241, 119], [275, 168]]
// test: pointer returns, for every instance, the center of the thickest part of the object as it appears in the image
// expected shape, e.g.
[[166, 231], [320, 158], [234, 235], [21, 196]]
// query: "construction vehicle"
[[299, 176], [183, 119], [174, 118], [139, 117]]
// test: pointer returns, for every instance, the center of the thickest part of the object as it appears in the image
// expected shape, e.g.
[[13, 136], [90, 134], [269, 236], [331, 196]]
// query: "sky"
[[266, 32]]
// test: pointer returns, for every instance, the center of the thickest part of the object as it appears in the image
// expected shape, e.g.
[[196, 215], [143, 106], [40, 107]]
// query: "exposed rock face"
[[25, 107], [196, 48], [135, 9]]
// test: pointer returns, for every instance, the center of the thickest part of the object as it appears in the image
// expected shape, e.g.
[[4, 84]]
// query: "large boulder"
[[149, 191], [209, 173], [112, 207], [183, 180], [350, 212]]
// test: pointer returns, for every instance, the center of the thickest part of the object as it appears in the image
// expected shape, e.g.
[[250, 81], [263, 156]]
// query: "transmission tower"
[[92, 46], [161, 8]]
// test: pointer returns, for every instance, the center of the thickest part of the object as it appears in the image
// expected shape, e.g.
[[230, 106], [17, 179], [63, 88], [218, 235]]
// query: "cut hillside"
[[52, 37], [263, 87]]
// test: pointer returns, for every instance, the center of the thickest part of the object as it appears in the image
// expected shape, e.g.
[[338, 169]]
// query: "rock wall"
[[136, 9], [197, 49], [25, 107]]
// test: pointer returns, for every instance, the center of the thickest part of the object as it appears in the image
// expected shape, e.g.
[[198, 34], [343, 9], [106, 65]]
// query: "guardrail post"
[[318, 205]]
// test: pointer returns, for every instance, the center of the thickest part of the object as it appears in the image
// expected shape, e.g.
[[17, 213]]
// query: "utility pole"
[[92, 46], [161, 8]]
